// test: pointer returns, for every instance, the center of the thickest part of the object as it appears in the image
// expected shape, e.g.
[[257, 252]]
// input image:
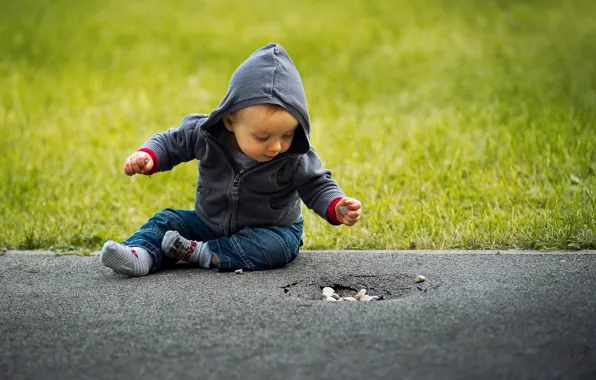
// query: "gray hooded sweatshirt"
[[270, 193]]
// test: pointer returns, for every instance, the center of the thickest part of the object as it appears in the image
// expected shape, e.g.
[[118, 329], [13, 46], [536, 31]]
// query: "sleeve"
[[315, 186], [331, 212], [177, 145]]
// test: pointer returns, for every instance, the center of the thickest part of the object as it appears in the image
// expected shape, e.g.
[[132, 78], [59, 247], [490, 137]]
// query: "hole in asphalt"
[[393, 286]]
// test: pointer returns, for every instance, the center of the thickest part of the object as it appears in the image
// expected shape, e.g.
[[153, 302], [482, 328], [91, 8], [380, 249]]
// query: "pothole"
[[387, 287]]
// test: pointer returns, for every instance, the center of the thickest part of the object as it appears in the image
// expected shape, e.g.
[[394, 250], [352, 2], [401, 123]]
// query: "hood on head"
[[267, 76]]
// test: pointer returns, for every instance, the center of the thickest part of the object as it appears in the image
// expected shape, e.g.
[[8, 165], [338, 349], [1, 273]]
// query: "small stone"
[[343, 210], [335, 295], [330, 299], [327, 291], [238, 271], [420, 278], [365, 298], [360, 294], [351, 299]]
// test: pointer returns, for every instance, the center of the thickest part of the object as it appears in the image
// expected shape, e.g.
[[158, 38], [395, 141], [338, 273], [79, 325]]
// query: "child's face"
[[262, 131]]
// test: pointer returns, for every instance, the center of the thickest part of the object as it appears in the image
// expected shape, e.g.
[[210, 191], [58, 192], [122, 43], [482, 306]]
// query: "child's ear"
[[229, 122]]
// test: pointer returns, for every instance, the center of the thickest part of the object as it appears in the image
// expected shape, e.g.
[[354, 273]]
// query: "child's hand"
[[351, 211], [138, 163]]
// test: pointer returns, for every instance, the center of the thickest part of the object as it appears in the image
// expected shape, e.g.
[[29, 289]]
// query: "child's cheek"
[[253, 150], [286, 146]]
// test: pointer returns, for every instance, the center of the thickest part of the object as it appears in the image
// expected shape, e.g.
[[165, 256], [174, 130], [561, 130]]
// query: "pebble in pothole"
[[330, 295]]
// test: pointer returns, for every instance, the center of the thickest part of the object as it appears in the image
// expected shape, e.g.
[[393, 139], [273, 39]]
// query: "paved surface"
[[479, 315]]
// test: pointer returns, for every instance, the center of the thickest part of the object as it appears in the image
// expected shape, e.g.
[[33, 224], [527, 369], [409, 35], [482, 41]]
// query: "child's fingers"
[[128, 170], [134, 161], [353, 214], [341, 208], [350, 221], [348, 210], [147, 165], [354, 205], [140, 160], [354, 217]]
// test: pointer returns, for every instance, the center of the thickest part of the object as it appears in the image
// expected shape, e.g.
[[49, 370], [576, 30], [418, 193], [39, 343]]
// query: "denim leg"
[[150, 235], [258, 248]]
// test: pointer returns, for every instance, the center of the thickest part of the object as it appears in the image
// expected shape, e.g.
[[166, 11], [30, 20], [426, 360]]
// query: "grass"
[[458, 124]]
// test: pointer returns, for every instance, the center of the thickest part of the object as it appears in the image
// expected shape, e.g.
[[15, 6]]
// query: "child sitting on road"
[[256, 165]]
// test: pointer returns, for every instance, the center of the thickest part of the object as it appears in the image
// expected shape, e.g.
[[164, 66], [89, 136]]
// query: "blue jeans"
[[250, 249]]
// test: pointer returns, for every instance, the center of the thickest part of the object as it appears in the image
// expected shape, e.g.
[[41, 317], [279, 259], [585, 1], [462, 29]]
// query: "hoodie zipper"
[[235, 199], [235, 191], [232, 166]]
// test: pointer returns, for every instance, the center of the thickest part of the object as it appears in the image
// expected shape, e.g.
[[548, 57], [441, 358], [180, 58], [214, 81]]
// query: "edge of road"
[[363, 251]]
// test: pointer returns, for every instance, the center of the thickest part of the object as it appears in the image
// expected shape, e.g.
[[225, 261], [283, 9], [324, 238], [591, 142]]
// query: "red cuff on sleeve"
[[153, 157], [331, 211]]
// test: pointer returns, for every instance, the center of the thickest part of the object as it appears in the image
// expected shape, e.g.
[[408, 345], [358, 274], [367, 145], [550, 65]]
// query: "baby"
[[256, 167]]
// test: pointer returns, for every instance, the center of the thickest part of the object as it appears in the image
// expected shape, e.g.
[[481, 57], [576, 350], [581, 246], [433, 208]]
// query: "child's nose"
[[275, 147]]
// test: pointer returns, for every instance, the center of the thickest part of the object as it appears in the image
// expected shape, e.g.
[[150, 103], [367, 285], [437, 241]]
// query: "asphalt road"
[[479, 315]]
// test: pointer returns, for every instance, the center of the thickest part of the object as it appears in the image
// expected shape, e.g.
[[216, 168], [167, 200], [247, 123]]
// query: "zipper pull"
[[235, 190], [237, 179]]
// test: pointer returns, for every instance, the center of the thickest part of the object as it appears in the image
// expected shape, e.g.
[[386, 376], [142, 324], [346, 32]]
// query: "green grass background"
[[458, 124]]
